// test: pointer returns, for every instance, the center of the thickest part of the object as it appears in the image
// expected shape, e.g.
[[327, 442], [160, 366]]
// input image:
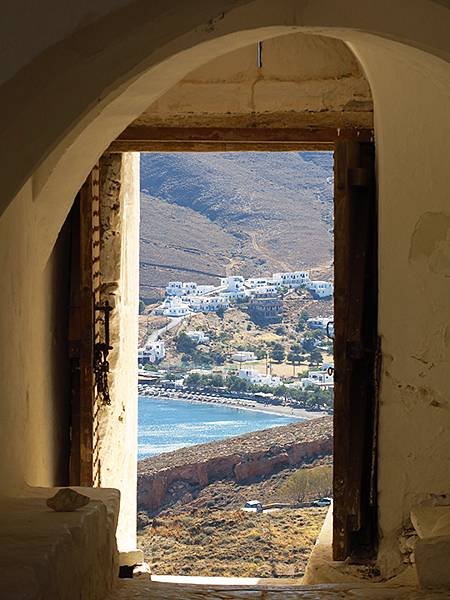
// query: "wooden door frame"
[[356, 306], [83, 332]]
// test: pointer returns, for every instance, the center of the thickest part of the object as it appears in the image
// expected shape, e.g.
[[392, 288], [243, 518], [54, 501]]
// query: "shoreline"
[[238, 404]]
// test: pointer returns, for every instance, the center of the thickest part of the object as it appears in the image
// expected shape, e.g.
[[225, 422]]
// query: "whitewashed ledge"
[[46, 555], [145, 589]]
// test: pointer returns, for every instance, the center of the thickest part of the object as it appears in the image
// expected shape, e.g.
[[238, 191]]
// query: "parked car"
[[322, 502], [253, 506]]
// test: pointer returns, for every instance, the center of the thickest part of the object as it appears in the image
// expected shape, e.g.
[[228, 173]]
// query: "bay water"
[[166, 424]]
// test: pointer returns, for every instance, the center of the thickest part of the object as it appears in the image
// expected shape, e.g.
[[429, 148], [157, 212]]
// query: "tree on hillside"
[[308, 343], [217, 380], [217, 357], [236, 384], [193, 379], [318, 334], [185, 344], [141, 307], [277, 353], [309, 484], [295, 356], [261, 352], [315, 357], [302, 321]]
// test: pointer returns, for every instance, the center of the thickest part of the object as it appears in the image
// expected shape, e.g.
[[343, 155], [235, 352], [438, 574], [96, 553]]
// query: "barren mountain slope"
[[249, 213], [179, 243]]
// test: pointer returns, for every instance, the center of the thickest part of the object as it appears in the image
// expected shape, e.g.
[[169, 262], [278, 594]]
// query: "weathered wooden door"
[[355, 351], [84, 332]]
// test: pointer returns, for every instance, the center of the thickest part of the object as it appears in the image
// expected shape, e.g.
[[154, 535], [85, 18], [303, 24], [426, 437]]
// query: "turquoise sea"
[[166, 425]]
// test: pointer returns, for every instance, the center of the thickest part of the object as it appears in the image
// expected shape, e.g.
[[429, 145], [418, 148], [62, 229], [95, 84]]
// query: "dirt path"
[[262, 251]]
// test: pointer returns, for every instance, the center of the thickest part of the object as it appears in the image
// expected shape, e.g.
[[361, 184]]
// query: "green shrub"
[[308, 484]]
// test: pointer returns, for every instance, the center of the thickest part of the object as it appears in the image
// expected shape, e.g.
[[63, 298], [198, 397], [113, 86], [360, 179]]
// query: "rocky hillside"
[[226, 543], [163, 479], [205, 215]]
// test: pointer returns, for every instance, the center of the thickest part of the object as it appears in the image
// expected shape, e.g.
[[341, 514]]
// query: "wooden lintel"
[[226, 139]]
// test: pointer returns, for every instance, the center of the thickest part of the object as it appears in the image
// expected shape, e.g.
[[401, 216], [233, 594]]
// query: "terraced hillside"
[[205, 215]]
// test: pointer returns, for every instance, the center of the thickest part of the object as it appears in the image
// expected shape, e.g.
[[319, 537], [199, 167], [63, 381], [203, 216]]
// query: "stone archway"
[[94, 88]]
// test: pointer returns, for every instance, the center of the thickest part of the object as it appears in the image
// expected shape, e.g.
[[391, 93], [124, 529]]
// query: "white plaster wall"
[[412, 110], [34, 391], [119, 265], [26, 430]]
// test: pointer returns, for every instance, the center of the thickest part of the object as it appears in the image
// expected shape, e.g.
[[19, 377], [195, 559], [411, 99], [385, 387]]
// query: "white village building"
[[207, 303], [152, 352], [262, 291], [176, 308], [258, 282], [199, 337], [179, 288], [236, 295], [187, 288], [233, 288], [234, 283], [255, 378], [321, 379], [320, 289], [319, 322], [243, 356], [205, 289], [291, 279]]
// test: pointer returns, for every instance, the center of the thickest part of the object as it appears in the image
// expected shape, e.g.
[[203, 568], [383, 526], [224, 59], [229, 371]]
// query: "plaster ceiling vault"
[[303, 81]]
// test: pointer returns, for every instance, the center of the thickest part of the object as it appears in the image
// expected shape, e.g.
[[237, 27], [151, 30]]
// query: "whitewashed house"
[[176, 308], [152, 352], [255, 378], [235, 295], [321, 379], [208, 303], [319, 322], [291, 279], [199, 337], [232, 284], [258, 282], [205, 289], [232, 288], [320, 289], [243, 356], [262, 291], [174, 288], [178, 288]]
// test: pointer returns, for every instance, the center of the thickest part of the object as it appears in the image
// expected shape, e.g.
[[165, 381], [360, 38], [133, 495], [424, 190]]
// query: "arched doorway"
[[410, 87]]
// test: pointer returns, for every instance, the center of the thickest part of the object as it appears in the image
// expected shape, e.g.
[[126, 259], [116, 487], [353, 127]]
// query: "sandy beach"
[[237, 403]]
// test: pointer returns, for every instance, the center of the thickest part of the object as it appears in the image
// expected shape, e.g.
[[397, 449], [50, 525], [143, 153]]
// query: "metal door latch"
[[101, 352]]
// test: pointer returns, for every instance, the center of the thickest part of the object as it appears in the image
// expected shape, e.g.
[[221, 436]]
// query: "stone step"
[[53, 555], [145, 589], [432, 550]]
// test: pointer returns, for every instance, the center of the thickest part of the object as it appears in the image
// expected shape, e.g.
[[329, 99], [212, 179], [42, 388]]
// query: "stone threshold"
[[148, 589]]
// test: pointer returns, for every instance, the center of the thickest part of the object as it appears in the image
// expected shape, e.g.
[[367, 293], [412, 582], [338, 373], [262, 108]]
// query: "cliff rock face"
[[243, 459]]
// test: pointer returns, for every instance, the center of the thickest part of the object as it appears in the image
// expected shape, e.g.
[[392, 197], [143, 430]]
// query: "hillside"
[[222, 543], [204, 215], [191, 520], [166, 479]]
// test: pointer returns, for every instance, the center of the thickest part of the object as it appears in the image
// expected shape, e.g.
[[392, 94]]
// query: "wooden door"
[[84, 333], [355, 351]]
